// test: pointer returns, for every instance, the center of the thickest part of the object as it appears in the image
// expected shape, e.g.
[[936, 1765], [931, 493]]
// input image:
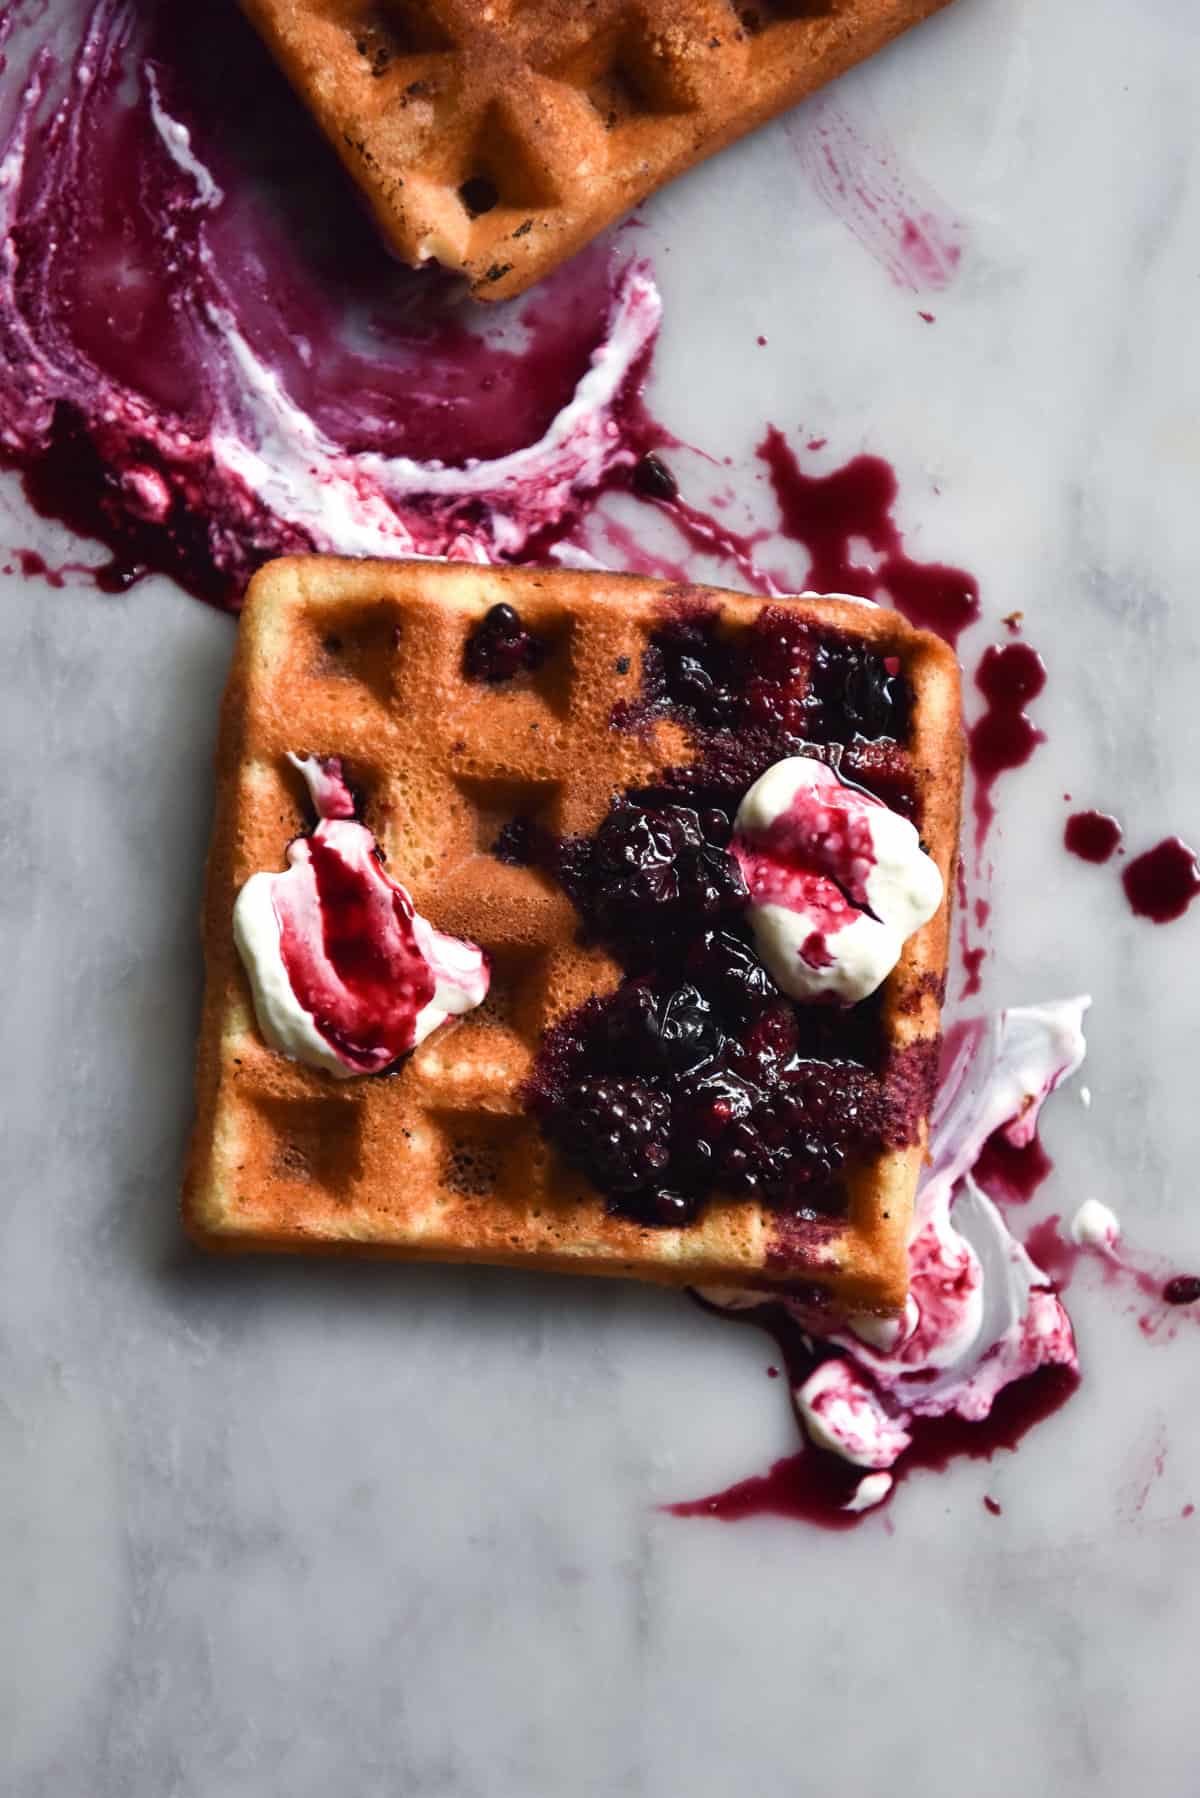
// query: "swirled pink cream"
[[981, 1314], [838, 882], [345, 972]]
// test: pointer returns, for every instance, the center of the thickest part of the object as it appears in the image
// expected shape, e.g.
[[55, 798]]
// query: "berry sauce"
[[828, 512], [1009, 676], [815, 1486], [698, 1074], [218, 359], [220, 362], [1009, 1173], [1057, 1255], [349, 947], [826, 516], [1092, 836], [1161, 883]]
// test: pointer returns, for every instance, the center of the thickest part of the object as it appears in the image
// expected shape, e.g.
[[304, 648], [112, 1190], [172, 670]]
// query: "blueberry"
[[500, 648]]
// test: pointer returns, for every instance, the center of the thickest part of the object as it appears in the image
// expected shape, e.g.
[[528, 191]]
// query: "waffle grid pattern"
[[440, 1160], [497, 138]]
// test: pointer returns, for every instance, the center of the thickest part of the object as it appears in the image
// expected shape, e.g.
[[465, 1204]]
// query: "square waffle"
[[440, 1160], [498, 138]]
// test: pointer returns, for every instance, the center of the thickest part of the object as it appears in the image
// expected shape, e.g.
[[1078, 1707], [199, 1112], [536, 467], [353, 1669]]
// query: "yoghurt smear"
[[981, 1315], [838, 882], [345, 973]]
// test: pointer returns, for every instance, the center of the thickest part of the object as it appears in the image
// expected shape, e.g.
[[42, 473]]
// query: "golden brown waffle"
[[439, 1161], [498, 136]]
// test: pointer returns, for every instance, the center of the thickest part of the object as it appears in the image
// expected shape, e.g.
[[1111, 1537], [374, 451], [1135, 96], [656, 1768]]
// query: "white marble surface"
[[302, 1530]]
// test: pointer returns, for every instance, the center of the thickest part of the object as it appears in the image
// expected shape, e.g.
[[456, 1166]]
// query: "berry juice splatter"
[[815, 1487], [856, 172], [207, 358], [1161, 883], [1092, 836], [1010, 676]]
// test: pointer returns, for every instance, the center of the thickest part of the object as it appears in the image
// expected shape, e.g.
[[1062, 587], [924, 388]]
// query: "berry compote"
[[698, 1075]]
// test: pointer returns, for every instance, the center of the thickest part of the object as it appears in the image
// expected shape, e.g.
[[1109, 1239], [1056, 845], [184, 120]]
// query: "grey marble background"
[[277, 1529]]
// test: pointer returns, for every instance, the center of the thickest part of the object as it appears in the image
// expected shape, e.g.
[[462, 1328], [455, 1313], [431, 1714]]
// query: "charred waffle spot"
[[399, 28], [471, 1170], [475, 1153], [615, 96], [479, 195], [315, 1143], [500, 648], [757, 18]]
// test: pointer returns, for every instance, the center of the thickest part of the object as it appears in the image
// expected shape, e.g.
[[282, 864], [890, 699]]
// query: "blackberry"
[[500, 648], [616, 1131], [671, 1032], [651, 866], [766, 1045], [660, 1207], [731, 974], [652, 479], [688, 1033], [689, 667], [854, 692]]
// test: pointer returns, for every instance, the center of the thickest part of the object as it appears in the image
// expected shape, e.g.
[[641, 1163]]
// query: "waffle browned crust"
[[498, 136], [440, 1161]]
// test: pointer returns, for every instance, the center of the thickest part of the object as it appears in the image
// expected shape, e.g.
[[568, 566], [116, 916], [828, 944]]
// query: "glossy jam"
[[1161, 883], [1092, 836]]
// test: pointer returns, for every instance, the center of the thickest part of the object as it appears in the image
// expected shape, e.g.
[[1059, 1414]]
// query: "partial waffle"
[[498, 138], [440, 1161]]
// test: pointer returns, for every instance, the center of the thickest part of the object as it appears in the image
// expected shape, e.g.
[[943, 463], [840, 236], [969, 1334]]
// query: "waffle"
[[440, 1161], [497, 137]]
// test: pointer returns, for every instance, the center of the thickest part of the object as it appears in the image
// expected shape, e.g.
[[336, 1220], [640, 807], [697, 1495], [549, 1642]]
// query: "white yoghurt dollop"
[[838, 881], [1095, 1226]]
